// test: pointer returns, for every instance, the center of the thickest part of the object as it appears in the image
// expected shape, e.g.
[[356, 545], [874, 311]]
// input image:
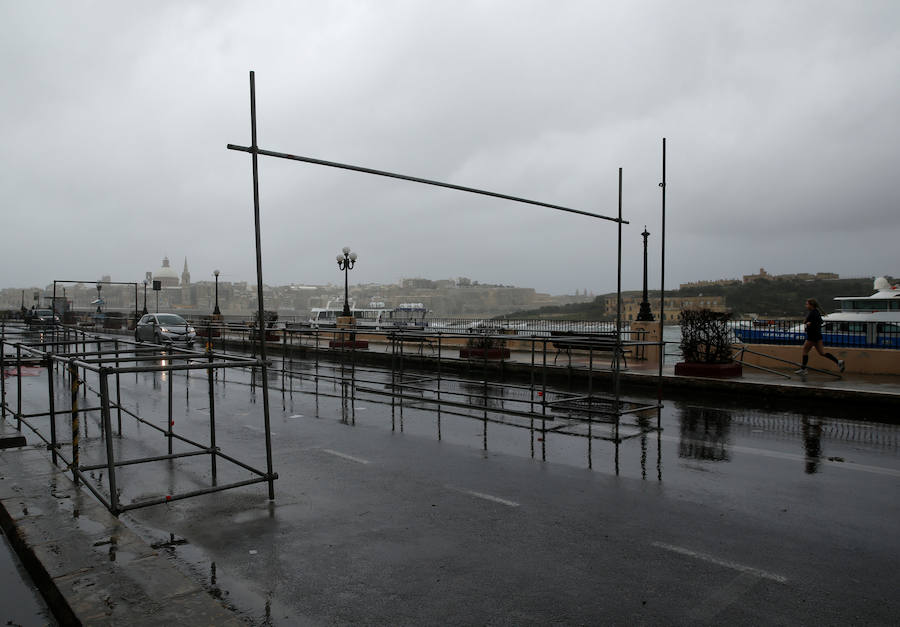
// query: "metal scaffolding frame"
[[67, 348]]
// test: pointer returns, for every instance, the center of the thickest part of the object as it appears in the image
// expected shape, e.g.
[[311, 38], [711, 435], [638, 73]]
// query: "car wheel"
[[137, 337], [156, 339]]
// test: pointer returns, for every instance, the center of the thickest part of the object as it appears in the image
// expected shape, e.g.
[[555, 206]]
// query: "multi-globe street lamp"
[[346, 262], [216, 311]]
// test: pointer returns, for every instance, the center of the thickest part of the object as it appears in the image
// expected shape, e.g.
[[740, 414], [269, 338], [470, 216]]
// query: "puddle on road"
[[244, 598]]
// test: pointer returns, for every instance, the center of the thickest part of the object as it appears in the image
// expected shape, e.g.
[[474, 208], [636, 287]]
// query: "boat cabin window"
[[845, 327], [868, 304]]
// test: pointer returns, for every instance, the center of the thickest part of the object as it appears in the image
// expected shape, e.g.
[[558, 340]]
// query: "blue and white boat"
[[866, 321], [861, 322]]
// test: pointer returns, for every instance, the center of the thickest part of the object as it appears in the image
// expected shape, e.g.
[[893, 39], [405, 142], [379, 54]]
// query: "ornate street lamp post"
[[144, 312], [645, 314], [346, 262], [99, 287], [216, 311]]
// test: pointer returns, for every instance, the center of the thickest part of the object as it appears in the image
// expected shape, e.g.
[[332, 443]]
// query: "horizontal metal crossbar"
[[416, 179]]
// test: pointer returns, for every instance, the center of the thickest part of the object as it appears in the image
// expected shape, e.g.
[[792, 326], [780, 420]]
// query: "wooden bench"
[[417, 337], [569, 340]]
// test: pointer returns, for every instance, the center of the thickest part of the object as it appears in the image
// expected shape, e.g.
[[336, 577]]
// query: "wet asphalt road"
[[20, 603], [728, 515]]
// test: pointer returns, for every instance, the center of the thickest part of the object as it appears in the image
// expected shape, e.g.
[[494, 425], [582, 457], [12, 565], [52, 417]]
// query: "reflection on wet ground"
[[363, 452], [20, 604]]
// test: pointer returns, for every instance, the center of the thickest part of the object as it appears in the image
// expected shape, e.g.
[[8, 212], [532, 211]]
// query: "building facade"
[[631, 306]]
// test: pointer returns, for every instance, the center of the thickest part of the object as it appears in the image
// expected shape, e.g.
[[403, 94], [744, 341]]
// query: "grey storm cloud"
[[780, 121]]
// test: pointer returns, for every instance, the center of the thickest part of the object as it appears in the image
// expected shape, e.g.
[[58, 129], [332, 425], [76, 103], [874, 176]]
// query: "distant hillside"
[[768, 298], [783, 298]]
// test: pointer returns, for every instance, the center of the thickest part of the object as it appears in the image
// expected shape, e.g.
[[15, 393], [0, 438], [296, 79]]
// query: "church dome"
[[166, 275]]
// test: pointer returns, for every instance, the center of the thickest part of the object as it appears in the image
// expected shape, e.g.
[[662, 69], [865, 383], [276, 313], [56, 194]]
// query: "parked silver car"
[[164, 328]]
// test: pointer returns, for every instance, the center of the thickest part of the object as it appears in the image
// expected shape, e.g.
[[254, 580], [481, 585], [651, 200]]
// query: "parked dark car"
[[164, 328], [41, 318]]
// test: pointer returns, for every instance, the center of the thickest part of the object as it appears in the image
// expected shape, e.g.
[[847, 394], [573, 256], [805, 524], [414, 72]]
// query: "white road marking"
[[257, 429], [878, 470], [296, 416], [763, 574], [358, 460], [486, 497]]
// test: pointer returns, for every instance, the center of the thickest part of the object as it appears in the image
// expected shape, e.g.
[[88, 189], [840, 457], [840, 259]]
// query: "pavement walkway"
[[88, 565]]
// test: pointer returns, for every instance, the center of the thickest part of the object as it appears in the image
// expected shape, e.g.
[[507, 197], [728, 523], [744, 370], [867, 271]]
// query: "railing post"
[[2, 371], [19, 387], [212, 417], [118, 391], [52, 404], [76, 430], [171, 421], [107, 434]]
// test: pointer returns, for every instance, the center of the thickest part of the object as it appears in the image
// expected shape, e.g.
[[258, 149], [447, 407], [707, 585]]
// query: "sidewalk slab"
[[89, 566]]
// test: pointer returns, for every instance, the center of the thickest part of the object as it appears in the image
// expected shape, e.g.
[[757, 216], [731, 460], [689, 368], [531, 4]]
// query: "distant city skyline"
[[336, 281]]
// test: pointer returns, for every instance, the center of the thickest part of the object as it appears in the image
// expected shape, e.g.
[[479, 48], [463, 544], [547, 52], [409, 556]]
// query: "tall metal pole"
[[618, 315], [662, 289], [259, 285]]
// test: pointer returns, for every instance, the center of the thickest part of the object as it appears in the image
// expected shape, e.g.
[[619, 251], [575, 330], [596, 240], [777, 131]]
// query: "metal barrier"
[[66, 349], [592, 415]]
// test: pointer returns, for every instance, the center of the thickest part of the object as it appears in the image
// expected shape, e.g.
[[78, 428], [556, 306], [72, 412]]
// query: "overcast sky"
[[781, 118]]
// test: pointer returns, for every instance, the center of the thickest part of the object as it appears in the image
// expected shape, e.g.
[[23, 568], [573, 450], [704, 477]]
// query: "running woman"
[[813, 323]]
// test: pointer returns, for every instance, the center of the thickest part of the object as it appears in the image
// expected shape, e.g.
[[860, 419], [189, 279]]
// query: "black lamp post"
[[645, 314], [144, 312], [346, 262], [216, 311], [99, 287]]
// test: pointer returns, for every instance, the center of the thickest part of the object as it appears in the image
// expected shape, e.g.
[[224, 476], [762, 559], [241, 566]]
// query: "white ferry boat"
[[375, 316], [867, 321], [862, 322]]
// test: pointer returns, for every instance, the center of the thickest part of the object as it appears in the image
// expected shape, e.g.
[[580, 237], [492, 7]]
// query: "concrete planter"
[[484, 353], [354, 344], [716, 371]]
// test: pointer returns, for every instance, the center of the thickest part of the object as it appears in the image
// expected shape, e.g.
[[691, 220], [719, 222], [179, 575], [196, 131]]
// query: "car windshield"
[[170, 319], [43, 312]]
